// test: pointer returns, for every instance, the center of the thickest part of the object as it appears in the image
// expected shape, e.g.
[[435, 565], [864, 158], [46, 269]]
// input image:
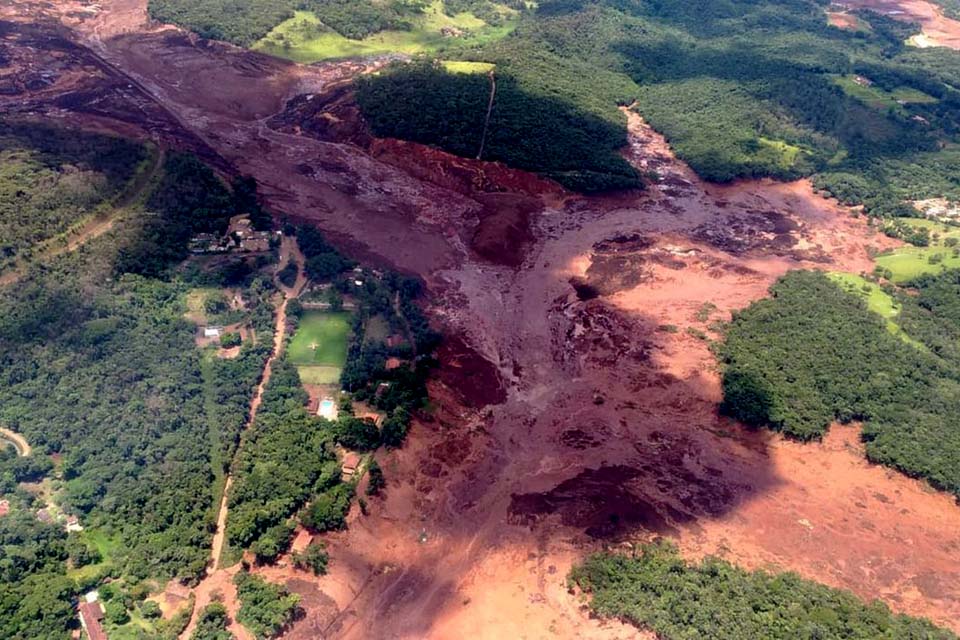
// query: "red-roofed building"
[[4, 507], [91, 613]]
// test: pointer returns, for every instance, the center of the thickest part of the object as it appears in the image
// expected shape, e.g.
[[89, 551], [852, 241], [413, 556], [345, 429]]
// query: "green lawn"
[[321, 339], [878, 301], [461, 66], [319, 374], [909, 262], [881, 99], [303, 38], [105, 545]]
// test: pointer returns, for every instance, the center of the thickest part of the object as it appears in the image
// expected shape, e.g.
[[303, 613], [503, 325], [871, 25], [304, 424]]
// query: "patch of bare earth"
[[939, 29], [843, 20], [573, 409]]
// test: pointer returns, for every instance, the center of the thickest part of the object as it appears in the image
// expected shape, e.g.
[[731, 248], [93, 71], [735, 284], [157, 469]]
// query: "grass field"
[[319, 348], [106, 546], [878, 301], [881, 99], [907, 263], [461, 66], [787, 154], [319, 374], [303, 38], [376, 330], [196, 300]]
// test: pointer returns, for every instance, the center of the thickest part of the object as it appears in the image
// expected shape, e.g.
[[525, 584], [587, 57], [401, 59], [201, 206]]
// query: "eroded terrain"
[[576, 404]]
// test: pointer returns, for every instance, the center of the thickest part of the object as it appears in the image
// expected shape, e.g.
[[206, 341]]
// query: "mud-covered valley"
[[576, 403]]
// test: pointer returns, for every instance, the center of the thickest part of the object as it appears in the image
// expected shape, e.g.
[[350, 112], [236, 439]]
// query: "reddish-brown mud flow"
[[565, 420], [941, 30]]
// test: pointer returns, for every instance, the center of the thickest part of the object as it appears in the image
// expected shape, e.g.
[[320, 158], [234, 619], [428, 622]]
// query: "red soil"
[[843, 20], [943, 31], [552, 399]]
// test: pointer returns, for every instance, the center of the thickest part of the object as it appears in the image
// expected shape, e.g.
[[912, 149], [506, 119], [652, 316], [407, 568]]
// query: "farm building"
[[73, 524], [91, 613], [348, 469], [4, 507], [212, 332]]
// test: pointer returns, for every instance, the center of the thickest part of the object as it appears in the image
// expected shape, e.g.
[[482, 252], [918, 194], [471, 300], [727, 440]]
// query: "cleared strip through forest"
[[288, 251]]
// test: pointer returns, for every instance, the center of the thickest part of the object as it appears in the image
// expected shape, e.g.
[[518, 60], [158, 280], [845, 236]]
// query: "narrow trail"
[[219, 578], [94, 227], [486, 121]]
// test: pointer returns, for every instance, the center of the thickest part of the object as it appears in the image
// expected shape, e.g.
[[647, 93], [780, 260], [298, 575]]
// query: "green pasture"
[[303, 38], [462, 66], [906, 263], [881, 99], [319, 374], [878, 301]]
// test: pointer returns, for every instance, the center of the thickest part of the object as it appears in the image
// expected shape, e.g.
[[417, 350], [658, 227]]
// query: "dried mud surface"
[[573, 408], [941, 30]]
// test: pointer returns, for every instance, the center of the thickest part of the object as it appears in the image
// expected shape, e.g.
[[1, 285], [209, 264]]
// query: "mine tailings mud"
[[573, 408]]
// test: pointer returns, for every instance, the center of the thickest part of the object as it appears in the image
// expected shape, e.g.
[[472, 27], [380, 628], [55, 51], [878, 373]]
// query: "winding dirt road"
[[17, 441]]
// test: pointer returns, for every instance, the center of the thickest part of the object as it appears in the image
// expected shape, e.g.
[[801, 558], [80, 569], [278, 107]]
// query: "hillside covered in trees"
[[245, 22], [656, 589], [128, 421], [744, 88], [813, 354], [51, 180]]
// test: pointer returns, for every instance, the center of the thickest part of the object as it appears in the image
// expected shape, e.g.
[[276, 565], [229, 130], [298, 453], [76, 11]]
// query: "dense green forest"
[[51, 179], [265, 609], [99, 372], [744, 88], [950, 7], [247, 21], [285, 459], [813, 354], [35, 594], [658, 590], [544, 133], [212, 624]]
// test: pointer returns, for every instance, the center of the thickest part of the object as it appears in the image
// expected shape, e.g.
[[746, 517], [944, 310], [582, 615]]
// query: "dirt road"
[[17, 441], [219, 579], [576, 406], [94, 226]]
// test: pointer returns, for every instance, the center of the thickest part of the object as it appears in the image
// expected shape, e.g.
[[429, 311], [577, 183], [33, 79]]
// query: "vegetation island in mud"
[[425, 319]]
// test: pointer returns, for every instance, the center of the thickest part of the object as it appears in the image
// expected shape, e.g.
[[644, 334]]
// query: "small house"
[[91, 613], [348, 469], [211, 332], [73, 524], [4, 507]]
